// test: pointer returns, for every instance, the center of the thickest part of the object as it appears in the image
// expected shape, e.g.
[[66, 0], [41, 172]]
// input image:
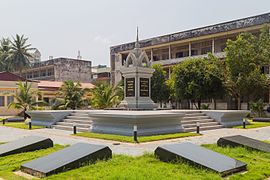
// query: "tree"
[[159, 88], [197, 79], [20, 53], [105, 96], [25, 98], [246, 56], [5, 52], [70, 96]]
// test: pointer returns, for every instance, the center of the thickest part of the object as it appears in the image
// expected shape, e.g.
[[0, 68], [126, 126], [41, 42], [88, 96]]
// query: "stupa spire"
[[137, 45]]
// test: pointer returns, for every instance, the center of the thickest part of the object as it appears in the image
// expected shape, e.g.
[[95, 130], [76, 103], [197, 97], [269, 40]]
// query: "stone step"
[[195, 114], [205, 128], [78, 114], [78, 117], [197, 120], [201, 124], [77, 121], [191, 112], [71, 124], [195, 117], [70, 128]]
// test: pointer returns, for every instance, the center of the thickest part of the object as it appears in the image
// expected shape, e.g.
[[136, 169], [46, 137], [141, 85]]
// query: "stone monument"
[[137, 75]]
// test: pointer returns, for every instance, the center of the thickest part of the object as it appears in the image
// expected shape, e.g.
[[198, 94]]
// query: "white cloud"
[[102, 39]]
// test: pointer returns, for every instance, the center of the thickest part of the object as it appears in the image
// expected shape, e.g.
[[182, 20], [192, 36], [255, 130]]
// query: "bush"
[[257, 107]]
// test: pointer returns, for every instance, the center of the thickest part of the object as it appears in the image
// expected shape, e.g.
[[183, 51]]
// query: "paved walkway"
[[64, 137]]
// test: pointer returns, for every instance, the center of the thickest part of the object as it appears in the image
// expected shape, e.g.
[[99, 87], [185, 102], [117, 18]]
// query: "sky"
[[60, 28]]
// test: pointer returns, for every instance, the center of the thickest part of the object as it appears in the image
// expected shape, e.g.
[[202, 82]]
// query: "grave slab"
[[30, 143], [243, 141], [72, 157], [199, 156]]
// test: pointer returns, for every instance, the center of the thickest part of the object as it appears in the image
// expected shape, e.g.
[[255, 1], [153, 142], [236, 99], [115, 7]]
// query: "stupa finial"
[[137, 45]]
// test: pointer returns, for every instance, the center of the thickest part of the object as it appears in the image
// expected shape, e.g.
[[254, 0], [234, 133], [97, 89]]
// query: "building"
[[60, 69], [101, 73], [49, 89], [171, 49], [8, 87]]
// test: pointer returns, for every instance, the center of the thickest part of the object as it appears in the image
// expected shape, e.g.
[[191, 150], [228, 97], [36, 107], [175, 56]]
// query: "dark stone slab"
[[261, 119], [244, 141], [69, 158], [200, 156], [30, 143]]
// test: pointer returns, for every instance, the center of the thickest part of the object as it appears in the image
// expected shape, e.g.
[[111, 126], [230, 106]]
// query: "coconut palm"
[[105, 96], [20, 53], [5, 52], [25, 98], [70, 96]]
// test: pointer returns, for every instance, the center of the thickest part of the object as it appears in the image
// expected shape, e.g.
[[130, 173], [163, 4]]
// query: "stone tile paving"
[[64, 137]]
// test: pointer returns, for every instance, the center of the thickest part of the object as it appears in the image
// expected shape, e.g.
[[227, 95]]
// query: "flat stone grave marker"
[[244, 141], [30, 143], [200, 156], [66, 159]]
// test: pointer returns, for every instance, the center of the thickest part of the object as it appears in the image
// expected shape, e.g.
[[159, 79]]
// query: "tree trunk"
[[24, 114], [215, 104], [199, 104], [160, 104], [238, 103]]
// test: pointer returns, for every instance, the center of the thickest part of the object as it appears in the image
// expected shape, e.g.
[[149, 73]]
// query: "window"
[[36, 74], [10, 99], [206, 50], [50, 72], [194, 52], [2, 100], [43, 73]]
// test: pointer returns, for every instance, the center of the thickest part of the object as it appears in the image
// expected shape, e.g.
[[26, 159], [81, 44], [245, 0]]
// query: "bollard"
[[30, 125], [74, 129], [244, 123], [135, 135], [4, 121], [198, 127]]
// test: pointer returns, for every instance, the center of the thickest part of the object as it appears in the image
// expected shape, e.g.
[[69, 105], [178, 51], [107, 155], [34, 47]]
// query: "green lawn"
[[20, 125], [144, 167], [130, 138], [254, 125]]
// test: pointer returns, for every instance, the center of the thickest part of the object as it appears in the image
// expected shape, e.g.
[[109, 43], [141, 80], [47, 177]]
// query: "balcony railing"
[[178, 60]]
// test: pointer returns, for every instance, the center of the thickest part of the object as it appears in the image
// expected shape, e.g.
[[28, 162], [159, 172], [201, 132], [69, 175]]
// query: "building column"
[[213, 45], [152, 59], [170, 55], [169, 72], [189, 49]]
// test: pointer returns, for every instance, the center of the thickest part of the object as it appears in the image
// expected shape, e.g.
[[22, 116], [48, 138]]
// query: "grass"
[[254, 125], [145, 167], [20, 125], [130, 138], [11, 163]]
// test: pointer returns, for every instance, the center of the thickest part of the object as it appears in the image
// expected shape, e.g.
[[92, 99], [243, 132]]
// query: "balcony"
[[167, 62]]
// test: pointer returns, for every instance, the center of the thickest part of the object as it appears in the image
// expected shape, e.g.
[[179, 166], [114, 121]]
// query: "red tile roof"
[[8, 76]]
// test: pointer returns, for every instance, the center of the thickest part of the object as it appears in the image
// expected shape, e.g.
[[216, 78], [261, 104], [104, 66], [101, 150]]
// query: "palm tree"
[[5, 52], [70, 96], [25, 98], [105, 96], [20, 53]]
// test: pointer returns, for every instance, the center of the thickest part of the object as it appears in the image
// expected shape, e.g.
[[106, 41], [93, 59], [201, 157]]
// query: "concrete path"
[[64, 137]]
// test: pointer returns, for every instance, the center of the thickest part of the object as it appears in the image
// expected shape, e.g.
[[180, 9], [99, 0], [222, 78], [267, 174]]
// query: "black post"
[[4, 121], [30, 125], [198, 127], [135, 135], [244, 123], [74, 129]]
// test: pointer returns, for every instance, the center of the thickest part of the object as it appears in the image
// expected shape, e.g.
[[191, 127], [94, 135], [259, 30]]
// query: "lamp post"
[[74, 128], [135, 134], [198, 127], [244, 123], [4, 121]]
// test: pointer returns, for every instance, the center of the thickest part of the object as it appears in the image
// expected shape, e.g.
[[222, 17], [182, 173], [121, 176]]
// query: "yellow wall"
[[8, 88]]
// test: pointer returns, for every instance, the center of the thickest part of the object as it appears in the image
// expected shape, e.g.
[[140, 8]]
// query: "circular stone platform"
[[147, 122]]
